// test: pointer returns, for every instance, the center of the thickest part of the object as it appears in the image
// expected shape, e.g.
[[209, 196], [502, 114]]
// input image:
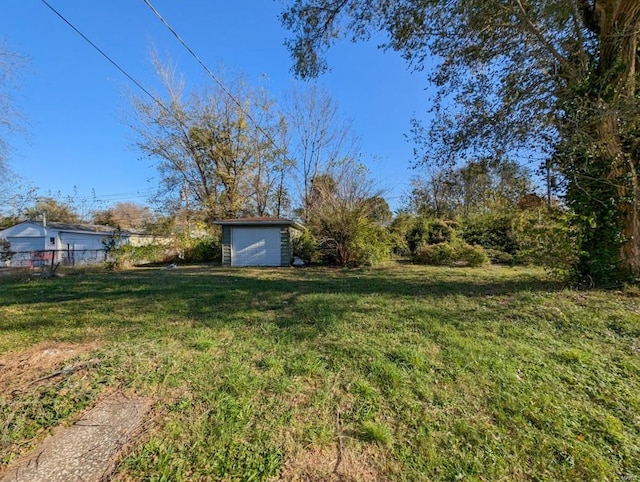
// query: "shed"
[[257, 241]]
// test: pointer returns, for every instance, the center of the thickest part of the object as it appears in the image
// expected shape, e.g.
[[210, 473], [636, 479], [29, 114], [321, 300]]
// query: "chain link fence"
[[51, 257]]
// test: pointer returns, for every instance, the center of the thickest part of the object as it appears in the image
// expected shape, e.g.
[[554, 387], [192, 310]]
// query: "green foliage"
[[200, 250], [371, 245], [491, 230], [409, 233], [344, 209], [450, 253], [573, 94], [400, 230], [500, 257], [357, 242], [112, 245], [435, 254], [473, 256], [547, 238], [305, 247], [5, 250], [129, 255]]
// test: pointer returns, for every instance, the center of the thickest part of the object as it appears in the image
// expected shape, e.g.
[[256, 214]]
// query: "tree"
[[54, 210], [558, 77], [10, 63], [475, 188], [343, 205], [216, 150], [5, 250], [126, 215], [320, 138]]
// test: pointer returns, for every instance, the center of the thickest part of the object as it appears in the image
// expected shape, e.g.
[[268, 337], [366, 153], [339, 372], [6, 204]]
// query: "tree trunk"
[[619, 22]]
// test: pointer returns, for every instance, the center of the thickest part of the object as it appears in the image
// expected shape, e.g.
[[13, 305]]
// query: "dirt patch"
[[18, 369], [321, 464]]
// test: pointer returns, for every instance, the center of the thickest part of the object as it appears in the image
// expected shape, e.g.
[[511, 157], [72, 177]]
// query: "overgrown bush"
[[491, 231], [200, 250], [5, 250], [305, 247], [500, 257], [364, 243], [548, 239], [128, 255], [408, 232], [371, 245], [450, 253], [473, 256]]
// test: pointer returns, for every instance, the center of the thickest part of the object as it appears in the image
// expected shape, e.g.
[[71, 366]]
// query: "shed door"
[[256, 246]]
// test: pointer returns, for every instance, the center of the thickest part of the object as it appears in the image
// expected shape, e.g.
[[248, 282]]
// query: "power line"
[[113, 62], [208, 71]]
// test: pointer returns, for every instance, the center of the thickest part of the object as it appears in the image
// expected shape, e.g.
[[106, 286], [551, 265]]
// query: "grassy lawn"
[[402, 373]]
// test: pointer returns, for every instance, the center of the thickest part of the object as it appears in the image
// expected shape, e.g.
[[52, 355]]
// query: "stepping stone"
[[87, 450]]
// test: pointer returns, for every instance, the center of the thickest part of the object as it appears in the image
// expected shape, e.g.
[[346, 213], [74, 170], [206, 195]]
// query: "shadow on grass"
[[305, 303]]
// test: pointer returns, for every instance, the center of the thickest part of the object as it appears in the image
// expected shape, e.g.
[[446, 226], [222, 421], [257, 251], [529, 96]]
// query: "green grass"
[[417, 373]]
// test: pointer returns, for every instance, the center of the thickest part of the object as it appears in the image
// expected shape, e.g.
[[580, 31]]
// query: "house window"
[[52, 241]]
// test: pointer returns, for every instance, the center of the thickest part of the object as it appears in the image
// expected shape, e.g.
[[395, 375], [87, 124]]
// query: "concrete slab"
[[87, 450]]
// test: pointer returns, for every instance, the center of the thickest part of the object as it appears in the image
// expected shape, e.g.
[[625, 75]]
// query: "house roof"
[[89, 228], [65, 227], [259, 221]]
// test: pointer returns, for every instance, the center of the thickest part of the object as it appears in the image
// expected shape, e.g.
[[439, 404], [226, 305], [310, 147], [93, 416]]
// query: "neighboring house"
[[257, 241], [37, 243]]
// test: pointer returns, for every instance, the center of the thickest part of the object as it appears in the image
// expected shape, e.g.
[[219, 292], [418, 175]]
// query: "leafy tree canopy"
[[53, 209], [557, 77]]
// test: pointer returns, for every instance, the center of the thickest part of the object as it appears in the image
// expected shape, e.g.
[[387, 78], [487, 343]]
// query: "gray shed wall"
[[226, 245]]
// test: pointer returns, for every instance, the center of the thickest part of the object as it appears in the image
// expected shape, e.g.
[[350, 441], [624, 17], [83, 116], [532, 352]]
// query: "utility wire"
[[113, 62], [208, 71]]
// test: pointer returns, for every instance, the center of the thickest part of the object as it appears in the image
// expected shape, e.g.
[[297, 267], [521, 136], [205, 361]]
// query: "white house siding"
[[81, 248], [35, 244], [23, 249]]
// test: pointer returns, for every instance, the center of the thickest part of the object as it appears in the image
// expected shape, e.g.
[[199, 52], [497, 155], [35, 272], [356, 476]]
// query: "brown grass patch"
[[320, 464], [21, 368]]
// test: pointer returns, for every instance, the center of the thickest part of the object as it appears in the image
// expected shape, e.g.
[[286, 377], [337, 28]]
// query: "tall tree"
[[344, 213], [53, 210], [476, 187], [10, 118], [213, 149], [557, 76], [125, 215], [320, 137]]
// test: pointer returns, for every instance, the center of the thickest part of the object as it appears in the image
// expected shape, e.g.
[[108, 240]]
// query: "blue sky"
[[74, 99]]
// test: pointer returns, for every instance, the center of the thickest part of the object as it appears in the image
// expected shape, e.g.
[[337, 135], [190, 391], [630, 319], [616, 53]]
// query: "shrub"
[[491, 231], [200, 250], [473, 256], [548, 239], [305, 247], [447, 254], [500, 257], [5, 250], [371, 245], [435, 254]]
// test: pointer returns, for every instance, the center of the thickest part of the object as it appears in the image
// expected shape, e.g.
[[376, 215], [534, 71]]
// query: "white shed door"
[[255, 246]]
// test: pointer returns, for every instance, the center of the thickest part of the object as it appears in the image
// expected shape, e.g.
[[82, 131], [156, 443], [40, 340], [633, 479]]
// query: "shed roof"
[[259, 221]]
